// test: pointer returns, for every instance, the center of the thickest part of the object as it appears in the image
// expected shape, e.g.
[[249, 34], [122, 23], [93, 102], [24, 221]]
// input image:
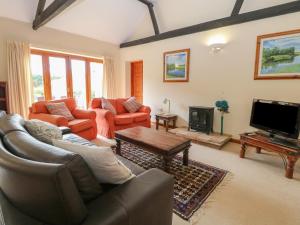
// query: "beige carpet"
[[257, 193]]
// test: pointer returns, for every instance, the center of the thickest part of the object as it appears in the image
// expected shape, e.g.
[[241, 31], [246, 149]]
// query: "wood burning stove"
[[201, 119]]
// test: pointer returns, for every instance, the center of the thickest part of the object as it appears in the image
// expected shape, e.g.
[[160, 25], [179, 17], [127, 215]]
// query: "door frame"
[[132, 76]]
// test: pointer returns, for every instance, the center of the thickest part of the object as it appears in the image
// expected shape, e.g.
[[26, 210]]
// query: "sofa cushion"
[[80, 125], [140, 117], [132, 105], [106, 104], [106, 167], [40, 107], [43, 131], [120, 105], [60, 109], [25, 146], [124, 119]]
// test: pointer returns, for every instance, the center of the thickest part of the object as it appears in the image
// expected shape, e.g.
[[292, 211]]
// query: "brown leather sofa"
[[44, 185]]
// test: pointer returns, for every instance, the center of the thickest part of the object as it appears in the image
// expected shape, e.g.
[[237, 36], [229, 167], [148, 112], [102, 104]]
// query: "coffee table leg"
[[166, 164], [167, 125], [118, 149], [291, 161], [186, 157]]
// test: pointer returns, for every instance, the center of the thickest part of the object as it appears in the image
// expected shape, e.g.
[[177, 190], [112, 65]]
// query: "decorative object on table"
[[278, 56], [176, 66], [201, 119], [193, 183], [166, 118], [223, 107], [168, 101]]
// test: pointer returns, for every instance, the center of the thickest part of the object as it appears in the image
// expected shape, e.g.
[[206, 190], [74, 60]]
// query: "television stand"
[[288, 154], [286, 143]]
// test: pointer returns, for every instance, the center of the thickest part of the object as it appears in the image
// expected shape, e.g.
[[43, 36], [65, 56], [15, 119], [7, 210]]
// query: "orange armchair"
[[83, 125], [107, 123]]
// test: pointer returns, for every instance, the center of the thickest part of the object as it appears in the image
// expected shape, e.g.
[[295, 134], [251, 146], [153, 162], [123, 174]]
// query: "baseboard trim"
[[234, 140]]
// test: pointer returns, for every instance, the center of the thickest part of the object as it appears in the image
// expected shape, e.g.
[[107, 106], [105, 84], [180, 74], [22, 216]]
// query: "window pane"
[[58, 77], [37, 77], [79, 82], [96, 79]]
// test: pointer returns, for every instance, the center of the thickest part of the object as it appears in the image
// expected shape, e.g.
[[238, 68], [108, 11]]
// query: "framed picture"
[[176, 66], [278, 56]]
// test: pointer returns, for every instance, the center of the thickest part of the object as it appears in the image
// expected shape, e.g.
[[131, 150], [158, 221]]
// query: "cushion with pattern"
[[132, 105], [59, 109]]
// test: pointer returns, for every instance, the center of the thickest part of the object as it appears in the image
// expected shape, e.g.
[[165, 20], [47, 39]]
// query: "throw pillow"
[[104, 164], [132, 105], [107, 105], [60, 109], [43, 131]]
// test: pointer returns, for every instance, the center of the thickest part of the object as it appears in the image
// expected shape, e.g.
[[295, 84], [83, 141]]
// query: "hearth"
[[201, 119]]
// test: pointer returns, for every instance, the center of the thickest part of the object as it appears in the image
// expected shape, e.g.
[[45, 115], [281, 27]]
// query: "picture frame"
[[177, 66], [278, 56]]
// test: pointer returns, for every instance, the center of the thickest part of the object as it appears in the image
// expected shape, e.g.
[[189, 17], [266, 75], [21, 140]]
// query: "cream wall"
[[51, 39], [227, 75]]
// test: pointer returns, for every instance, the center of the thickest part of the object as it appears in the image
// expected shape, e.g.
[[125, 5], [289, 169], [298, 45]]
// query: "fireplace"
[[201, 119]]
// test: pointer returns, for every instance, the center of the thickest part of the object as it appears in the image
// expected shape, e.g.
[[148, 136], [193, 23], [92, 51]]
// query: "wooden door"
[[137, 80]]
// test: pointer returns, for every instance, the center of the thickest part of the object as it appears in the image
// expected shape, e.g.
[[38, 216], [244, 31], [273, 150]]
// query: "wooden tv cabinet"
[[259, 141]]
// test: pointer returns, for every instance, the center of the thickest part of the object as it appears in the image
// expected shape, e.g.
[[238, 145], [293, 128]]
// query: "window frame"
[[69, 85]]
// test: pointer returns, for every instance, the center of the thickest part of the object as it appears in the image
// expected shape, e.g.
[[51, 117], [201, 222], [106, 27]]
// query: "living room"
[[94, 56]]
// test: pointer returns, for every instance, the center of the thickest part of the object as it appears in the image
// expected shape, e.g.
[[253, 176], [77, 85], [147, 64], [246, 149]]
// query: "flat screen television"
[[277, 118]]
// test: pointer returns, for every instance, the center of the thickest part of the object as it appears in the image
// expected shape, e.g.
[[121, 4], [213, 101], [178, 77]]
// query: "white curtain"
[[109, 85], [19, 77]]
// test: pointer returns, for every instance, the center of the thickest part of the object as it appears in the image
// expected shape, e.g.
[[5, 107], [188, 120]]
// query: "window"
[[59, 75], [37, 77]]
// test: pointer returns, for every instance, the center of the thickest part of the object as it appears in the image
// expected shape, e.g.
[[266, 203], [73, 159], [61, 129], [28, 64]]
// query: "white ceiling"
[[117, 21]]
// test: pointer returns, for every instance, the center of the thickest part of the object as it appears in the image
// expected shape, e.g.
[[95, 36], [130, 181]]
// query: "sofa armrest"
[[57, 120], [104, 114], [148, 198], [12, 216], [84, 114], [145, 109], [35, 187]]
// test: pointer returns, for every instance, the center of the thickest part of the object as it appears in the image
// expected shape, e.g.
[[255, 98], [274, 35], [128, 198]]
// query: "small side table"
[[166, 118]]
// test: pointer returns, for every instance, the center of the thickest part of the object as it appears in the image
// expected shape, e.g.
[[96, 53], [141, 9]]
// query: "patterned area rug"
[[193, 183]]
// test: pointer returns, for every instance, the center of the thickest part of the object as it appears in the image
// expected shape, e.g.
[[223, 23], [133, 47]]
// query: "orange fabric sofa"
[[107, 123], [83, 125]]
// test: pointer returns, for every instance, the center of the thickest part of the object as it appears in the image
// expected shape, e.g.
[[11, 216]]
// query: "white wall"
[[51, 39], [228, 75]]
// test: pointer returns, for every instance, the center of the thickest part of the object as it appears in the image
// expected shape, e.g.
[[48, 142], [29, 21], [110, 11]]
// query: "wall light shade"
[[218, 39], [215, 48], [216, 43]]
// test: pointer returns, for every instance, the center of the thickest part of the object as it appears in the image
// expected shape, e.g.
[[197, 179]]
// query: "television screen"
[[276, 117]]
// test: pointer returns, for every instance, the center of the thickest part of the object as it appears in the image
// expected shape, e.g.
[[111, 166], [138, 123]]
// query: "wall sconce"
[[216, 48], [216, 43]]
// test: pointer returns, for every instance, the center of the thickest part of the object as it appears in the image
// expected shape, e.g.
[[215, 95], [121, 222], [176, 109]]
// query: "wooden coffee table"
[[165, 144]]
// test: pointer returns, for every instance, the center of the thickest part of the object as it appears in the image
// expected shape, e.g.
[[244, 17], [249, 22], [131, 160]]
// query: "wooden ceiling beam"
[[273, 11], [50, 12], [152, 15], [40, 8], [237, 7]]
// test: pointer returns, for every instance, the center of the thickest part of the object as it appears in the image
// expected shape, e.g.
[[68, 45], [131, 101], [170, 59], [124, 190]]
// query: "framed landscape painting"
[[278, 56], [176, 66]]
